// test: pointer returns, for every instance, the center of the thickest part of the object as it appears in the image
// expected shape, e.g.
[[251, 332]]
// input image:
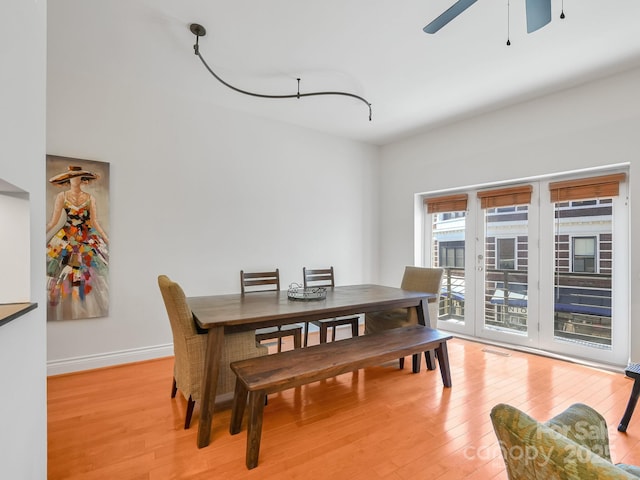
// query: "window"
[[451, 215], [506, 253], [542, 270], [451, 254], [584, 254]]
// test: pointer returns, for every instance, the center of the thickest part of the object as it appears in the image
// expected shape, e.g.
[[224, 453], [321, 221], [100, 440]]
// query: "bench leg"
[[443, 359], [631, 405], [415, 359], [237, 408], [256, 409], [429, 356]]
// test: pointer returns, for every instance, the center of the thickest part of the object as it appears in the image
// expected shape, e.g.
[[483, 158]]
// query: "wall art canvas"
[[77, 238]]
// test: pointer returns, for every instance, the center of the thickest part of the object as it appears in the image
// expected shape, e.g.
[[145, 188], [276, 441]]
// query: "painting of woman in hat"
[[77, 252]]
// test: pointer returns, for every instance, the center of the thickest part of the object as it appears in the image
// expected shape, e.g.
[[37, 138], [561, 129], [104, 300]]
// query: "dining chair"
[[324, 277], [417, 279], [190, 344], [266, 282]]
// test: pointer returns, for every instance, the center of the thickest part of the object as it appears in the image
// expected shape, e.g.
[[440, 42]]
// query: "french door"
[[540, 264]]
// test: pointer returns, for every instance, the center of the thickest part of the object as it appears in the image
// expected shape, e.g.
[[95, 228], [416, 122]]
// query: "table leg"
[[215, 344], [423, 319]]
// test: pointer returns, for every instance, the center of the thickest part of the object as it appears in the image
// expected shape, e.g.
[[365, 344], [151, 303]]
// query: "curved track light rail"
[[199, 31]]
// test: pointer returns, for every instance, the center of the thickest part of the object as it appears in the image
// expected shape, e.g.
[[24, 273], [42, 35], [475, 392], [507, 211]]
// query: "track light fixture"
[[199, 31]]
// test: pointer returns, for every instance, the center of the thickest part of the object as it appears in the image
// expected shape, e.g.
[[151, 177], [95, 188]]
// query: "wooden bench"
[[260, 376]]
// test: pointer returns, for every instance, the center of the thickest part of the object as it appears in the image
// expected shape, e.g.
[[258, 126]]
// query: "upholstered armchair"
[[573, 445], [189, 346]]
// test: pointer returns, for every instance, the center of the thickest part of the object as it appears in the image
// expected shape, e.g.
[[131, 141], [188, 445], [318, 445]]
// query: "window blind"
[[447, 203], [503, 197], [592, 187]]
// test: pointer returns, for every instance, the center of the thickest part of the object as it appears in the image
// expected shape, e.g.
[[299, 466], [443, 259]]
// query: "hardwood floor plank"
[[377, 423]]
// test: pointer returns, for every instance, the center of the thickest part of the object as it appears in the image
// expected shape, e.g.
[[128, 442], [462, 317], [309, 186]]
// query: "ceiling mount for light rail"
[[199, 31]]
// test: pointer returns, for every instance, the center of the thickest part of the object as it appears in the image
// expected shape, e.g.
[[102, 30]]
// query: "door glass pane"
[[506, 269], [583, 271], [447, 242]]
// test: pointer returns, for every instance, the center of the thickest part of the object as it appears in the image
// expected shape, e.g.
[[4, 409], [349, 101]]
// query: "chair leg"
[[174, 388], [297, 339], [190, 405], [401, 363], [323, 333], [306, 333], [631, 405], [279, 339], [354, 328]]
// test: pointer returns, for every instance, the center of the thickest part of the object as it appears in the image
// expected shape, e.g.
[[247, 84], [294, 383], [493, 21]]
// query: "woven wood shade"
[[504, 197], [448, 203], [582, 188]]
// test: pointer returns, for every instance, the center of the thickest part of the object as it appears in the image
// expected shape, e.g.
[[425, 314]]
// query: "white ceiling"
[[372, 48]]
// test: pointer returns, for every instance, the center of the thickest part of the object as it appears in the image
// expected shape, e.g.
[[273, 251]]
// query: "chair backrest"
[[422, 279], [175, 301], [260, 281], [318, 277]]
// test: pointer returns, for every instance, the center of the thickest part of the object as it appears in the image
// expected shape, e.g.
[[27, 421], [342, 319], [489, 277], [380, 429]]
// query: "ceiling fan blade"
[[452, 12], [538, 14]]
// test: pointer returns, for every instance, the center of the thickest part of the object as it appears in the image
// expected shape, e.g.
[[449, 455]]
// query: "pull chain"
[[508, 18]]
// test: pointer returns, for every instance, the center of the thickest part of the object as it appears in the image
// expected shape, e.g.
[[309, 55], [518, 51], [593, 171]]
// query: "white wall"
[[15, 220], [198, 193], [23, 410], [592, 125]]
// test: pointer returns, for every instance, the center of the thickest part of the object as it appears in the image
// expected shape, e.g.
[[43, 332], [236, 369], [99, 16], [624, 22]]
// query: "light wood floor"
[[379, 423]]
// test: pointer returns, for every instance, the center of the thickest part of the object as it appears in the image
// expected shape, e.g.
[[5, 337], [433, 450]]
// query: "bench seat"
[[257, 377]]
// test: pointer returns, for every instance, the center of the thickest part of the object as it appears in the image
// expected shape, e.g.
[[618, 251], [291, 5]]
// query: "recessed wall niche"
[[15, 243]]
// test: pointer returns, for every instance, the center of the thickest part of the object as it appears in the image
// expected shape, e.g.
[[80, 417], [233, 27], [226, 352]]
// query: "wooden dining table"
[[219, 314]]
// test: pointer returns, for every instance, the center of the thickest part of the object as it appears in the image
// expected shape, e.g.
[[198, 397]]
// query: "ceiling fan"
[[538, 14]]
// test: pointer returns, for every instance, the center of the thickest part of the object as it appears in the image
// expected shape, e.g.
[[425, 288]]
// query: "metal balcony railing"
[[582, 302]]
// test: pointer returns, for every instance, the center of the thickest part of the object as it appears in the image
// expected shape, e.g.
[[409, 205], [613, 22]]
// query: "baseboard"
[[90, 362]]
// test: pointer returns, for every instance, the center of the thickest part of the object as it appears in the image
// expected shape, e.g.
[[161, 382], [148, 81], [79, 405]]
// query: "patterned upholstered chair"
[[573, 445], [417, 279], [189, 346]]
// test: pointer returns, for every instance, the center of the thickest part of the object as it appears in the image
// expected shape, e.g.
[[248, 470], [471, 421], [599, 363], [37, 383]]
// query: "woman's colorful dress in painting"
[[77, 266]]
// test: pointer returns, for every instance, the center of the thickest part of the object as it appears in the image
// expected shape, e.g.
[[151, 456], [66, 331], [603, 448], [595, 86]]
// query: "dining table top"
[[275, 307]]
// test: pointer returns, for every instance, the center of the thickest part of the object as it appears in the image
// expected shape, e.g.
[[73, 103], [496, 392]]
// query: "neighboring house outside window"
[[584, 254], [506, 254], [451, 254]]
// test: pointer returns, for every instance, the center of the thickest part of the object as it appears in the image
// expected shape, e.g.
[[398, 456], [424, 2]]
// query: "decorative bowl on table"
[[298, 292]]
